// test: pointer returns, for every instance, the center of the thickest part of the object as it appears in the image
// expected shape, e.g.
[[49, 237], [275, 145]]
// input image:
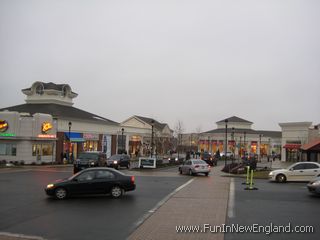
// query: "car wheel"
[[190, 172], [128, 165], [116, 192], [116, 167], [60, 193], [180, 170], [281, 178], [207, 174]]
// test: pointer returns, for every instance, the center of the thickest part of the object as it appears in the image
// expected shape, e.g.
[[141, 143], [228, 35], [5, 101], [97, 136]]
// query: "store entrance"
[[135, 146]]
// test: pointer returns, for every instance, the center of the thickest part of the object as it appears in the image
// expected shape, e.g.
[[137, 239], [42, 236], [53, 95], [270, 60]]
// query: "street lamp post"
[[226, 146], [244, 144], [233, 144], [152, 125], [260, 135], [69, 145], [122, 145]]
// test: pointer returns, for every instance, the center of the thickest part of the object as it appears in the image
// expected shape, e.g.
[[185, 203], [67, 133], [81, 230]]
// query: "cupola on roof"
[[41, 92]]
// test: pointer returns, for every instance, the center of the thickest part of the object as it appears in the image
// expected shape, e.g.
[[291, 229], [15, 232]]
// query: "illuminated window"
[[42, 149]]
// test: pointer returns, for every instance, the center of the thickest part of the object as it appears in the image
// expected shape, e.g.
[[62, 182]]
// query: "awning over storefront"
[[312, 146], [292, 146], [74, 137]]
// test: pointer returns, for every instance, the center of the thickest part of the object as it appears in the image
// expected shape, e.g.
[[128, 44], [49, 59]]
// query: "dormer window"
[[64, 92], [39, 90]]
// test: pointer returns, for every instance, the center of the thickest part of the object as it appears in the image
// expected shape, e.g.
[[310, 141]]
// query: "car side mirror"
[[75, 179], [291, 169]]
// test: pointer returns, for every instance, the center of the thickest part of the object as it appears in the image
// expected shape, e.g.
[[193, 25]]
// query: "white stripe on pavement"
[[231, 201]]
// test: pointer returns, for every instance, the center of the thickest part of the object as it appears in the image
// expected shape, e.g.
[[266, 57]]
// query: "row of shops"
[[239, 149], [47, 128]]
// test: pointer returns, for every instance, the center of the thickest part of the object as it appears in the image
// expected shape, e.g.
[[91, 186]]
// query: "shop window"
[[8, 149], [42, 149], [90, 146], [46, 149]]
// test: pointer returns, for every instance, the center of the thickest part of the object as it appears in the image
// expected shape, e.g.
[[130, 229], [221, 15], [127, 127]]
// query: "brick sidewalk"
[[203, 201]]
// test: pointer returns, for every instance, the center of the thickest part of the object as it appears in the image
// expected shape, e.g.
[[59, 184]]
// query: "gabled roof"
[[234, 119], [59, 111], [156, 124]]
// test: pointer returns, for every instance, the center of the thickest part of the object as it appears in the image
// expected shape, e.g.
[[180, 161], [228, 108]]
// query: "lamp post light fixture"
[[152, 125], [69, 144], [122, 143], [226, 146]]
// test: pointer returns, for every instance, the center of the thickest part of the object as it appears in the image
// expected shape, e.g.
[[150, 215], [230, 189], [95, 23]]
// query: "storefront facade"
[[294, 136], [27, 138], [241, 138], [76, 130], [135, 136]]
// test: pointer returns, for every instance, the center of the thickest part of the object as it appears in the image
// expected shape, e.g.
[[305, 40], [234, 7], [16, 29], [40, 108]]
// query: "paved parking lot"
[[279, 204], [25, 209]]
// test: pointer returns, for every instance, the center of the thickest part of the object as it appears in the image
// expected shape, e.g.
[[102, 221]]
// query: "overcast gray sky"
[[198, 61]]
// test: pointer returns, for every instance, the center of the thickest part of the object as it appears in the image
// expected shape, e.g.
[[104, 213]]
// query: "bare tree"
[[178, 131]]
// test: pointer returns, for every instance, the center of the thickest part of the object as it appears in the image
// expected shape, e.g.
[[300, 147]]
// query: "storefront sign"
[[91, 136], [7, 135], [46, 126], [3, 125], [47, 136]]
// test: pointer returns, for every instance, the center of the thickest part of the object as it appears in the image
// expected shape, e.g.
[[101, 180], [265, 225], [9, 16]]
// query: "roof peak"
[[235, 119]]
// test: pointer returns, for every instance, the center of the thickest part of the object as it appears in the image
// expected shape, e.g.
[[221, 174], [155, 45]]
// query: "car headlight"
[[316, 183], [50, 186], [91, 163], [270, 173], [115, 162], [176, 159]]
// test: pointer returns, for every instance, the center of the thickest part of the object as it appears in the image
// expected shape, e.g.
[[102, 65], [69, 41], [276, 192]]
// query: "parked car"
[[89, 159], [209, 159], [194, 166], [99, 180], [118, 160], [300, 171], [314, 186]]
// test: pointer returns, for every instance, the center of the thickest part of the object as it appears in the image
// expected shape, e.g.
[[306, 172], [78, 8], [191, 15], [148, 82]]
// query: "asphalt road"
[[279, 204], [25, 208]]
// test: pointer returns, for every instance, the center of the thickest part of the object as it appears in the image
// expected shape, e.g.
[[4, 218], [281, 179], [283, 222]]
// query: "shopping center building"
[[141, 131], [73, 130], [241, 138], [297, 141]]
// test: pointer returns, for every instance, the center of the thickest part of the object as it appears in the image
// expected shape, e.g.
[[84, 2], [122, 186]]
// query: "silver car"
[[300, 171], [194, 166]]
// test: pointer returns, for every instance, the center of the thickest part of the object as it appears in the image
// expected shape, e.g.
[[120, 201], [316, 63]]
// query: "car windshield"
[[92, 156], [198, 162], [115, 157]]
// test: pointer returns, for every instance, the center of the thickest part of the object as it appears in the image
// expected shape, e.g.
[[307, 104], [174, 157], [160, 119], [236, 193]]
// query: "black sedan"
[[99, 180]]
